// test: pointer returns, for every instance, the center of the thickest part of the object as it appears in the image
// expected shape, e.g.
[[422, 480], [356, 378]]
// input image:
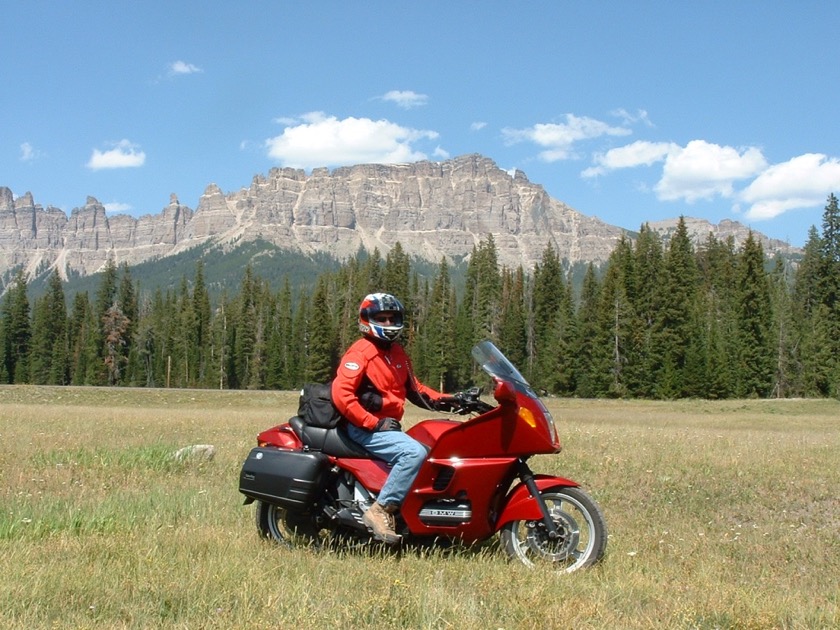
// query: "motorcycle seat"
[[333, 442]]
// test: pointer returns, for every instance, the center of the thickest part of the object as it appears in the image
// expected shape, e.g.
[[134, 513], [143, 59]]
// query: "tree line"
[[659, 320]]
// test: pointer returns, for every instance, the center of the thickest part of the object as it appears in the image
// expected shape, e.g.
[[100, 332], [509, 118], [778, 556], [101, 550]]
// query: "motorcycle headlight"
[[552, 430]]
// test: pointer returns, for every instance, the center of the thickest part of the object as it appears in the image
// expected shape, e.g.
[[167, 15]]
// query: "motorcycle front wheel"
[[278, 524], [581, 533]]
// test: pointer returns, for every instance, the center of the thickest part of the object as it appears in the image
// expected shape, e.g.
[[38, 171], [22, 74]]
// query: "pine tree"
[[755, 365], [106, 295], [351, 286], [129, 308], [642, 278], [782, 331], [488, 292], [817, 354], [810, 315], [674, 327], [17, 330], [222, 350], [587, 334], [396, 274], [439, 331], [553, 325], [372, 273], [830, 284], [4, 376], [184, 340], [115, 326], [478, 314], [513, 340], [614, 334], [79, 330], [300, 342], [322, 346], [280, 351], [49, 364], [243, 331], [717, 316], [202, 317]]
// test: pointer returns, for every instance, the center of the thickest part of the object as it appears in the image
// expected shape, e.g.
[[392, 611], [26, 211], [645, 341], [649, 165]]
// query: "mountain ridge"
[[433, 209]]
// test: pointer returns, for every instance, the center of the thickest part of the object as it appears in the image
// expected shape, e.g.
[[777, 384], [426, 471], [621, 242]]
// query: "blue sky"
[[628, 111]]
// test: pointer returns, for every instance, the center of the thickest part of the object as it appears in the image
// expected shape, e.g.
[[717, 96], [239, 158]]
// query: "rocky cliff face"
[[433, 209]]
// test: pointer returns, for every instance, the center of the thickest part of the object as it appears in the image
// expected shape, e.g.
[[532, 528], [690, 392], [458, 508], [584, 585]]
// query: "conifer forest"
[[659, 320]]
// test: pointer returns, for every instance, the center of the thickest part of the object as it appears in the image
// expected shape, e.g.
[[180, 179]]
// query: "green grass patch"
[[155, 457], [721, 515]]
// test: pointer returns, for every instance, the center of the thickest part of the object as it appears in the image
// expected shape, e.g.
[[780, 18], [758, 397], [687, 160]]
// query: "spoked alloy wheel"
[[278, 524], [582, 533]]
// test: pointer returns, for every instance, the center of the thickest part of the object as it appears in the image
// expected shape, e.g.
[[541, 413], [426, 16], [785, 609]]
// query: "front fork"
[[526, 475]]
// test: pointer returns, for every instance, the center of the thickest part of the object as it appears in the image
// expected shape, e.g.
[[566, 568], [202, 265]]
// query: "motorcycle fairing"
[[371, 473], [282, 436], [428, 432], [521, 506], [480, 481]]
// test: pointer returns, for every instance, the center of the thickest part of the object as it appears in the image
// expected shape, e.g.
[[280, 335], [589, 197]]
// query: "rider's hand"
[[447, 403], [387, 424]]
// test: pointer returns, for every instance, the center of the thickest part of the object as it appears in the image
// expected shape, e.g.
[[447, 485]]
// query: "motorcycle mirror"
[[504, 392]]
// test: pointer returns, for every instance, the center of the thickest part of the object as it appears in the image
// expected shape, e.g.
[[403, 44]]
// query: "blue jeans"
[[401, 451]]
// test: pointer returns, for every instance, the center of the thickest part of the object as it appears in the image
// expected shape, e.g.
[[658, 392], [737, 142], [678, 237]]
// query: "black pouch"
[[291, 479], [316, 406], [369, 397]]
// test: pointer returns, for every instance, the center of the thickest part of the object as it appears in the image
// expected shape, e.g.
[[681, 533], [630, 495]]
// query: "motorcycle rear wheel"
[[582, 533], [279, 525]]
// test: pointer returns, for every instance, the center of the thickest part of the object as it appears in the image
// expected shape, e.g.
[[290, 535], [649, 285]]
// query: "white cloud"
[[177, 68], [802, 182], [641, 116], [639, 153], [405, 99], [478, 126], [441, 153], [558, 139], [703, 170], [28, 153], [125, 154], [116, 207], [320, 140]]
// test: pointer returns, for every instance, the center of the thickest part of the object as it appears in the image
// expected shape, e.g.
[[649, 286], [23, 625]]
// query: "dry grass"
[[721, 515]]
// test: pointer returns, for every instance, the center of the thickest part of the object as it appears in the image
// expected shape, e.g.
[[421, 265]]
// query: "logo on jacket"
[[351, 365]]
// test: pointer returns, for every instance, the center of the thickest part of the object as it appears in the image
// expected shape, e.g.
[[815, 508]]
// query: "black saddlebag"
[[290, 479]]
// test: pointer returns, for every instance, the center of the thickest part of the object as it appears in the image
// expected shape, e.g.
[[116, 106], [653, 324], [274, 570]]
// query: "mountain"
[[434, 209], [699, 230]]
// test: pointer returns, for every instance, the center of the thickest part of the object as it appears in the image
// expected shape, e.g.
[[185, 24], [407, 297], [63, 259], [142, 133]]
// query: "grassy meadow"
[[721, 515]]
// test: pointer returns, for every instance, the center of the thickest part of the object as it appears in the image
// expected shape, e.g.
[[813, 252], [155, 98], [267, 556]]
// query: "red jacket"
[[388, 369]]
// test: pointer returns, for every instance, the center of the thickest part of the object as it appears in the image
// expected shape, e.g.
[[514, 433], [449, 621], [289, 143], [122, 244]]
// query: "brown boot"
[[381, 522]]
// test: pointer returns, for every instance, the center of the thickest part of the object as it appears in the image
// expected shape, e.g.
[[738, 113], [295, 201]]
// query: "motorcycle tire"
[[277, 524], [582, 538]]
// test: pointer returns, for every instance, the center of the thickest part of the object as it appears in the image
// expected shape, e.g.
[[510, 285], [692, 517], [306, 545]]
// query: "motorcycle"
[[310, 482]]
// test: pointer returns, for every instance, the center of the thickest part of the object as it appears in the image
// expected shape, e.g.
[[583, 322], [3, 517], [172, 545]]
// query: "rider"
[[374, 380]]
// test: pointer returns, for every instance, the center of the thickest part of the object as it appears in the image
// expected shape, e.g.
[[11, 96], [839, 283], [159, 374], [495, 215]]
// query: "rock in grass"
[[195, 453]]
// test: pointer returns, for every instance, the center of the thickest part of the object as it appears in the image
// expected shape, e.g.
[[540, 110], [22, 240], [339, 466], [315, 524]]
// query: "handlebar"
[[469, 401]]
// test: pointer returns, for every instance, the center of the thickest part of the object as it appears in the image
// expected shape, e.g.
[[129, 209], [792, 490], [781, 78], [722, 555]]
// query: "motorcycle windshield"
[[492, 361], [497, 366]]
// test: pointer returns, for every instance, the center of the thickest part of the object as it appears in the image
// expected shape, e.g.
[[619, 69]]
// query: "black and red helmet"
[[381, 316]]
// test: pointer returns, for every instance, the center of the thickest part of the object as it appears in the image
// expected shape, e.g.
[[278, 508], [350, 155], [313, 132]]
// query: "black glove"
[[446, 403], [371, 401], [387, 424]]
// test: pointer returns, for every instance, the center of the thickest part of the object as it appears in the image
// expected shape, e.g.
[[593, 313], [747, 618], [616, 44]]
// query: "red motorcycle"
[[310, 482]]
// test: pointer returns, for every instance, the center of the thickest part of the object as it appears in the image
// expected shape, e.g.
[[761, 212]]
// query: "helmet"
[[372, 307]]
